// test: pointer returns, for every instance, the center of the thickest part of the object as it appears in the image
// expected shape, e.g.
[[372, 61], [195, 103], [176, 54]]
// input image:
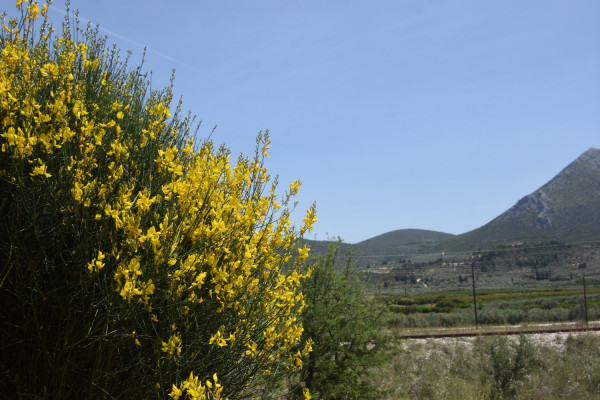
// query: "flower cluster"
[[202, 250], [196, 390]]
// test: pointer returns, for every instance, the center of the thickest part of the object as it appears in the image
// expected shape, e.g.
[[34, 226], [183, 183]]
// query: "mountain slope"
[[388, 247], [399, 244], [403, 240], [567, 208]]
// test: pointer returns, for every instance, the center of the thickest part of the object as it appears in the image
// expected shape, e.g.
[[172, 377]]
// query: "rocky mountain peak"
[[567, 208]]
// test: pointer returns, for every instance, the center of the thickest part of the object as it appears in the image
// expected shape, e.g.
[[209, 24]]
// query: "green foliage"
[[346, 329], [509, 364], [533, 266], [495, 308]]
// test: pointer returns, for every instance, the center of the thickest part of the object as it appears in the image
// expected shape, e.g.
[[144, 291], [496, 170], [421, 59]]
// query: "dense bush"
[[135, 263], [346, 328], [509, 363]]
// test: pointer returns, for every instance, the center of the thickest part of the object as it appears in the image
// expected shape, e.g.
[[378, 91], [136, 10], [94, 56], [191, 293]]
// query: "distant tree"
[[508, 365], [346, 330]]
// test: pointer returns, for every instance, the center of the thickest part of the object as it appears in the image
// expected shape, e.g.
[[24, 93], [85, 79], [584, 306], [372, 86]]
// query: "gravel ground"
[[555, 339]]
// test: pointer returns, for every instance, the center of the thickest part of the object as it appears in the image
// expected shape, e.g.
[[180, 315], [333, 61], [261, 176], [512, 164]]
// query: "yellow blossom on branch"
[[172, 346], [41, 170]]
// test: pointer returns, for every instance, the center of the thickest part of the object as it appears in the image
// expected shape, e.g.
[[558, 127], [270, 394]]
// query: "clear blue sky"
[[394, 114]]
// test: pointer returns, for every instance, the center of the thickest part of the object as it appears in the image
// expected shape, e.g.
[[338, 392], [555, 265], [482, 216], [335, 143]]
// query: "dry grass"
[[561, 366]]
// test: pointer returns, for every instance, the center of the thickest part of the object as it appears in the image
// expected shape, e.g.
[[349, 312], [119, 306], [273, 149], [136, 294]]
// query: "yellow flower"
[[97, 264], [309, 220], [172, 346], [295, 187], [218, 339], [306, 394], [33, 11], [303, 253], [41, 171], [176, 393]]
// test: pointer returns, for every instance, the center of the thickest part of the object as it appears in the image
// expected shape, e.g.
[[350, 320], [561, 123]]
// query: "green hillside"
[[404, 240], [389, 247]]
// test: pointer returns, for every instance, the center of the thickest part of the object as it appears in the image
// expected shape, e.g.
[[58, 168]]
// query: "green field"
[[452, 309]]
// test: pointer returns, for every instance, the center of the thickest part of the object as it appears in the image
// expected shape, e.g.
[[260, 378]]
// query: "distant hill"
[[390, 246], [404, 240], [399, 244], [565, 209]]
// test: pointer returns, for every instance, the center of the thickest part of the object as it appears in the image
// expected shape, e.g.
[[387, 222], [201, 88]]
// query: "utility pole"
[[405, 300], [474, 296], [585, 301]]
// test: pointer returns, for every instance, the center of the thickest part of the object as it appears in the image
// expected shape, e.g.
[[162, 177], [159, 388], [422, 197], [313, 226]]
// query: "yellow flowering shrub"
[[136, 262]]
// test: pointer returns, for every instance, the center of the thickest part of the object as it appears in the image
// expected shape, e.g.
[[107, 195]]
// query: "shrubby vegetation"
[[136, 262], [508, 365], [493, 368], [527, 266], [494, 308], [346, 328]]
